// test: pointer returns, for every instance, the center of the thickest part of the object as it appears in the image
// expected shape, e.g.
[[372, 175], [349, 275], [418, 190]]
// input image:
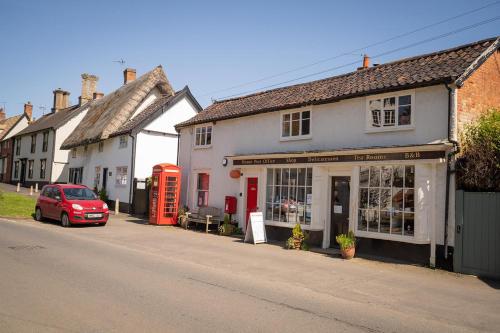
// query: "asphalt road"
[[128, 277]]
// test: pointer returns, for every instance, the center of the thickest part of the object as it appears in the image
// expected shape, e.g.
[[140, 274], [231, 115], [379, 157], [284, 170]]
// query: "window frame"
[[43, 168], [369, 128], [121, 178], [123, 142], [100, 146], [201, 127], [18, 146], [301, 136], [74, 152], [33, 143], [198, 190], [16, 169], [31, 168], [45, 141]]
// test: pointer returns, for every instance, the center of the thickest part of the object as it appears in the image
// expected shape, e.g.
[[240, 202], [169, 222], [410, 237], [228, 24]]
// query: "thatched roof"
[[106, 115]]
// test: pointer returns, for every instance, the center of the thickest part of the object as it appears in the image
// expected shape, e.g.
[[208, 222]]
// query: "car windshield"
[[79, 194]]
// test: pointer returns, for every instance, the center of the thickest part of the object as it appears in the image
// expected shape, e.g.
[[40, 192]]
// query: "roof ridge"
[[363, 70]]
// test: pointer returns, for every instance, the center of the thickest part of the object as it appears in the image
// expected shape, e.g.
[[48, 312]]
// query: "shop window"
[[202, 189], [45, 142], [43, 167], [386, 199], [203, 136], [33, 143], [30, 168], [123, 141], [390, 112], [296, 124], [16, 169], [121, 176], [289, 195]]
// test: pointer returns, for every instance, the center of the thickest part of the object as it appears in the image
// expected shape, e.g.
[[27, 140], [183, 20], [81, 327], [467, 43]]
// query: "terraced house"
[[125, 133], [367, 151]]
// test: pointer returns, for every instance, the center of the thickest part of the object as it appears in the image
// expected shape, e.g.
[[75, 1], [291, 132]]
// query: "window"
[[43, 167], [386, 199], [390, 112], [123, 141], [33, 143], [30, 168], [16, 169], [202, 189], [45, 143], [121, 176], [296, 124], [203, 136], [101, 146], [73, 153], [75, 175], [97, 176], [289, 195], [18, 146]]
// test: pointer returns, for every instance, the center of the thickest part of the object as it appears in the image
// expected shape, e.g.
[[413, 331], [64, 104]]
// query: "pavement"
[[132, 277]]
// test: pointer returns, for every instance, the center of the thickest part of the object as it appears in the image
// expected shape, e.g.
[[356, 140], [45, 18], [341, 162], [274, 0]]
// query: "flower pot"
[[348, 253], [297, 243]]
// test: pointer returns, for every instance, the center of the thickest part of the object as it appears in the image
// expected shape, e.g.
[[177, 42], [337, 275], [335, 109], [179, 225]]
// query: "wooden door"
[[252, 190]]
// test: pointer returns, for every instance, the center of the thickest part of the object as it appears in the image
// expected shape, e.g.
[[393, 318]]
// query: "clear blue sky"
[[208, 45]]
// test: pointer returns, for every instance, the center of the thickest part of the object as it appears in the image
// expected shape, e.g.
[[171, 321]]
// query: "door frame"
[[104, 183], [243, 191], [328, 220]]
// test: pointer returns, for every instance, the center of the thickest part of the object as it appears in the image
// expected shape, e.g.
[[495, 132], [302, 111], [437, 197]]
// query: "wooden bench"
[[205, 215]]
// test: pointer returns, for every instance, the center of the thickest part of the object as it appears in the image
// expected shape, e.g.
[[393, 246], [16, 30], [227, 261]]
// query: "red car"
[[71, 204]]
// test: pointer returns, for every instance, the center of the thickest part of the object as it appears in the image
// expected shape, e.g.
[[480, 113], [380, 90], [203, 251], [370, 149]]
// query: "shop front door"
[[252, 189], [339, 208]]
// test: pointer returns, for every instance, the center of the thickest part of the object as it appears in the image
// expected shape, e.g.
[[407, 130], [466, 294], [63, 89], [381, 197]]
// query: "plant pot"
[[297, 243], [348, 253]]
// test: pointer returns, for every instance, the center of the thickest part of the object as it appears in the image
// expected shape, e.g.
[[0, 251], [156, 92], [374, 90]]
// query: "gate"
[[477, 234]]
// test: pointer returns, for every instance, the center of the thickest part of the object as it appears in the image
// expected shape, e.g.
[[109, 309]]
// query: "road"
[[129, 277]]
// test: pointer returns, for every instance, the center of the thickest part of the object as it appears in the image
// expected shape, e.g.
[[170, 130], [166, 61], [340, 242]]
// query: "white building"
[[365, 151], [125, 134]]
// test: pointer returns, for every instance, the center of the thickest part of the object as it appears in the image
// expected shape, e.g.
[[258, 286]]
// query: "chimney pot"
[[98, 95], [366, 61], [2, 114], [61, 99], [128, 75], [89, 87], [28, 110]]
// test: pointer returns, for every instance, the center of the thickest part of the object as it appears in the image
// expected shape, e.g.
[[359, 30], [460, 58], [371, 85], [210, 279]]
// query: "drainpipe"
[[132, 166], [452, 115]]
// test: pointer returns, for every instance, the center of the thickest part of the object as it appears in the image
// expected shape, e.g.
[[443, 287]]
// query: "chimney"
[[89, 87], [128, 75], [366, 61], [2, 114], [61, 100], [28, 110], [98, 95]]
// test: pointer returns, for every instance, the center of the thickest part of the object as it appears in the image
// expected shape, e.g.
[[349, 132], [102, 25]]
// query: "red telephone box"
[[165, 192]]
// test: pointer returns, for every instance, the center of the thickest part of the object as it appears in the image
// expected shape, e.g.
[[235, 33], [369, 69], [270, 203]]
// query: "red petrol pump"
[[165, 192]]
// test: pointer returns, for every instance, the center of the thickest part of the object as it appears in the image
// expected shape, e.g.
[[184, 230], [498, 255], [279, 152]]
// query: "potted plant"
[[347, 243], [297, 239], [226, 229], [182, 216]]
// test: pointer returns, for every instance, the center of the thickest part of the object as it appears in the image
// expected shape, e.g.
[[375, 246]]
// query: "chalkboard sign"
[[256, 230]]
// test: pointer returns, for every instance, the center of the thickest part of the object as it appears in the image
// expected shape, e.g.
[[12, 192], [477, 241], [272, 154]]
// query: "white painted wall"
[[152, 149], [150, 98], [22, 124], [181, 111], [333, 126]]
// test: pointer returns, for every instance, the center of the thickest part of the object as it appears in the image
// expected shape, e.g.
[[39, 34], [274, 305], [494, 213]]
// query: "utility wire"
[[353, 51], [373, 57]]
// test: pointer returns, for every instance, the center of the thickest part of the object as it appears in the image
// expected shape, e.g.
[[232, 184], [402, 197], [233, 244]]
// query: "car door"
[[58, 200], [42, 200]]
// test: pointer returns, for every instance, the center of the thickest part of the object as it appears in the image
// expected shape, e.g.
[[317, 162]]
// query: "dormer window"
[[296, 125], [390, 112]]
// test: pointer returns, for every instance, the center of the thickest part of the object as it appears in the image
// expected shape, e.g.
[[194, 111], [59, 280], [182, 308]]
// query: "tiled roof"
[[108, 114], [447, 66], [7, 124], [52, 120]]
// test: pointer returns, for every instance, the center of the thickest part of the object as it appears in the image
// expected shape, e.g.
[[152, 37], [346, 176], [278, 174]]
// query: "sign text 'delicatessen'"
[[413, 155]]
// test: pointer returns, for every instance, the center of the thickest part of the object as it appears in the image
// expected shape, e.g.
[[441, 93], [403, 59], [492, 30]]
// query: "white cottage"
[[366, 151], [125, 134]]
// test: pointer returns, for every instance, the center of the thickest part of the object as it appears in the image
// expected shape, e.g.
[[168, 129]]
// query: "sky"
[[214, 45]]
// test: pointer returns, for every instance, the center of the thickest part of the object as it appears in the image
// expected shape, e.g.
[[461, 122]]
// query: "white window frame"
[[123, 141], [121, 176], [198, 130], [301, 119], [74, 152], [100, 146], [396, 127]]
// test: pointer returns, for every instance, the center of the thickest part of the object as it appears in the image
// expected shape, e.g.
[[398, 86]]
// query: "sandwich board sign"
[[256, 230]]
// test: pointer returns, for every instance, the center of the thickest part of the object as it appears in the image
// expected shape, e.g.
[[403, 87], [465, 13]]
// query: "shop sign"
[[401, 156]]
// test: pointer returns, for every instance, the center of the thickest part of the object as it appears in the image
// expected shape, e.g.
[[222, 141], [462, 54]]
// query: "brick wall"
[[6, 153], [480, 91]]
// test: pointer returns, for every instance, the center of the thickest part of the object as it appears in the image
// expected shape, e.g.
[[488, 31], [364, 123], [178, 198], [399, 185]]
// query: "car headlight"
[[77, 207], [104, 206]]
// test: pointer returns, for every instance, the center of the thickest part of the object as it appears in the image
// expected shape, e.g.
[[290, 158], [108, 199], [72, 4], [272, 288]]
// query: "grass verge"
[[16, 205]]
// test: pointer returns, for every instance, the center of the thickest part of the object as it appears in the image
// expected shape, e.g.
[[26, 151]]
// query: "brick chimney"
[[61, 100], [128, 75], [89, 87], [28, 110], [98, 95], [366, 61], [2, 114]]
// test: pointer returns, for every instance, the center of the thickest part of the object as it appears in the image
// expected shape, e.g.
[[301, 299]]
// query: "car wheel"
[[102, 224], [38, 214], [65, 220]]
